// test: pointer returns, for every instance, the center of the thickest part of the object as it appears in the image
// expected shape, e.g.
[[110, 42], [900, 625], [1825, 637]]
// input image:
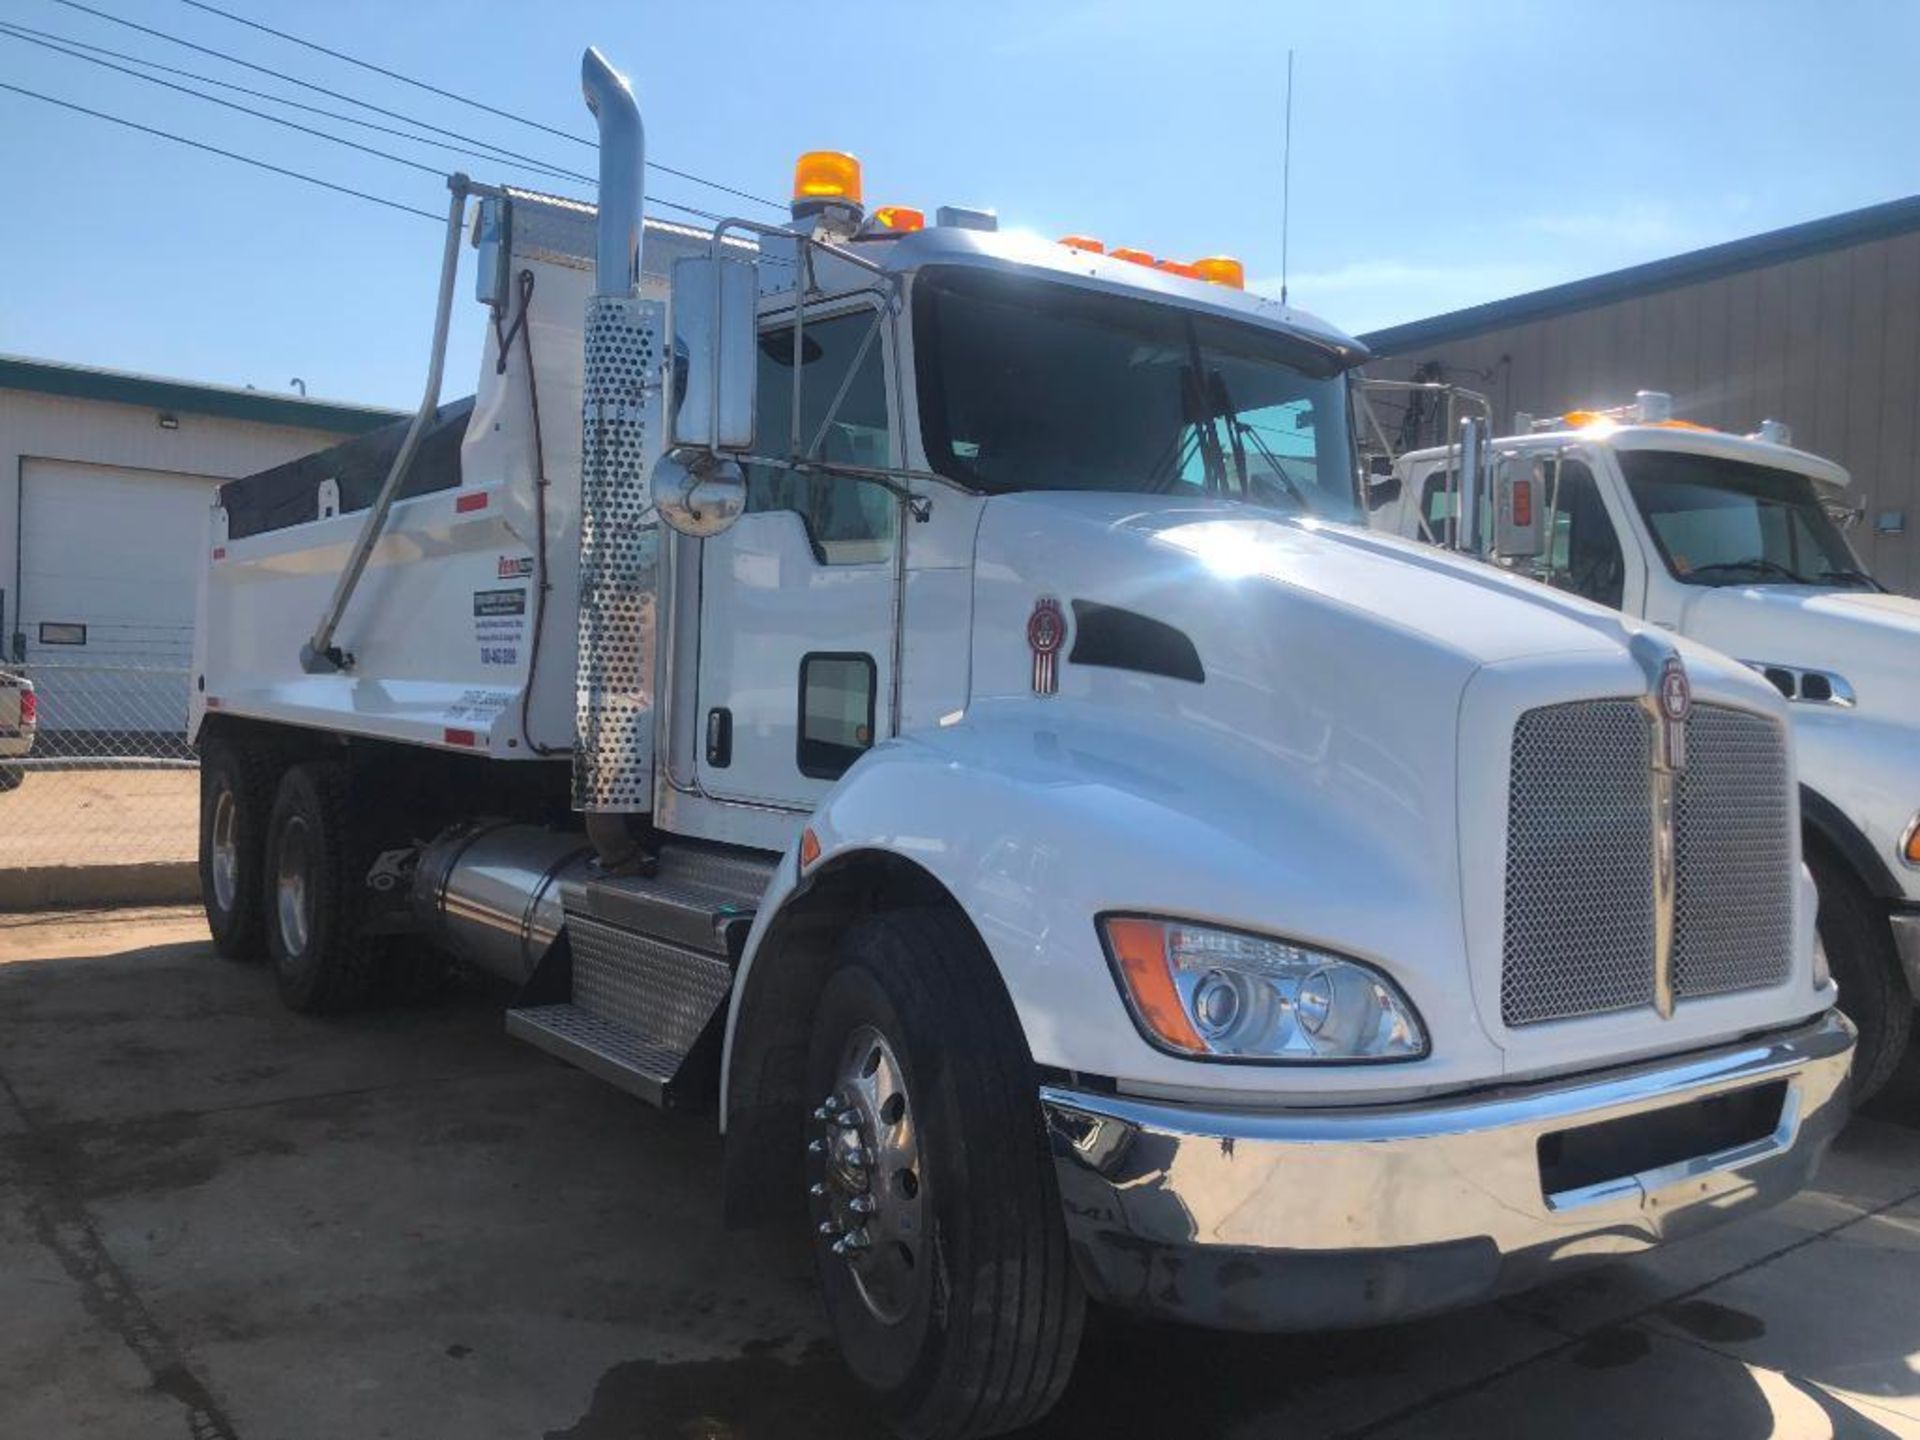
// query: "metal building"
[[1817, 325], [101, 539]]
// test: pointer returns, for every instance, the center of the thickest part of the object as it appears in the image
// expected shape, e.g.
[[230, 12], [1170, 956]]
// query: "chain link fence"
[[95, 770]]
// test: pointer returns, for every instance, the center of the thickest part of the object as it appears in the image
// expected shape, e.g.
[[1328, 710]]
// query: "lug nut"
[[827, 1227], [852, 1243], [846, 1120], [862, 1205], [816, 1147], [818, 1190]]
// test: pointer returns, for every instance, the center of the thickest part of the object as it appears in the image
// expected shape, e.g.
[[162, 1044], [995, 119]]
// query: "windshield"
[[1731, 522], [1030, 385]]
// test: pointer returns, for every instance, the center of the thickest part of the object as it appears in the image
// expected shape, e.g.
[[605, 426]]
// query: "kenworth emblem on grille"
[[1669, 701], [1676, 704], [1046, 633]]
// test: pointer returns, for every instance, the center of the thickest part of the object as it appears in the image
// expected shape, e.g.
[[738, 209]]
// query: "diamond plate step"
[[601, 1047]]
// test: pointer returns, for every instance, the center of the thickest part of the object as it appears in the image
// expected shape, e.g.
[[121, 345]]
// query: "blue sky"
[[1444, 154]]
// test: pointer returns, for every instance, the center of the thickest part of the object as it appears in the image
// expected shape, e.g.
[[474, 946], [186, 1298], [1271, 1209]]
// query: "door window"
[[843, 418], [1583, 552]]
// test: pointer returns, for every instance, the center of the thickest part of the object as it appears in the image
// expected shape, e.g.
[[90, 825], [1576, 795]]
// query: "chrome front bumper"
[[1318, 1219]]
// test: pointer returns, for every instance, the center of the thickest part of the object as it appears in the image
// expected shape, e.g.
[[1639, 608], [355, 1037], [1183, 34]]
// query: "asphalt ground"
[[221, 1220]]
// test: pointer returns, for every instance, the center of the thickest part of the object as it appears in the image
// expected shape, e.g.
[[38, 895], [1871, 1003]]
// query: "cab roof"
[[1684, 439]]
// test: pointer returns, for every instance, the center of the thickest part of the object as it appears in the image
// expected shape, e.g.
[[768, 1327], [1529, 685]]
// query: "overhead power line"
[[459, 98], [335, 94], [486, 152], [228, 104], [227, 154]]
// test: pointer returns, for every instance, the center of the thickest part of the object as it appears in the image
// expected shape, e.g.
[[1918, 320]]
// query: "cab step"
[[647, 968], [622, 1057]]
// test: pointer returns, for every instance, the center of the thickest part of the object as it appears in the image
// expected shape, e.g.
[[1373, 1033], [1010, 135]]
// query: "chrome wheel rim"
[[292, 899], [871, 1198], [225, 847]]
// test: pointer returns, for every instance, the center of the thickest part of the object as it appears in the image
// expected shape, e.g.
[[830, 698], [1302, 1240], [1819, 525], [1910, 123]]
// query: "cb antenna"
[[1286, 180]]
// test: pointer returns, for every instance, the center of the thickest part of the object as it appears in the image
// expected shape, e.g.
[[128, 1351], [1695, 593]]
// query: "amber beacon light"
[[826, 175]]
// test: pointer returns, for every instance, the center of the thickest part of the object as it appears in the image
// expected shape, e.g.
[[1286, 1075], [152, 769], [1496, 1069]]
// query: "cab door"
[[1583, 553], [797, 598]]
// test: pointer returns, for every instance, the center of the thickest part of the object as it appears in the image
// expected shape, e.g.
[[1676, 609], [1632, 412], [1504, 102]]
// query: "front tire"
[[314, 903], [938, 1231], [1873, 991]]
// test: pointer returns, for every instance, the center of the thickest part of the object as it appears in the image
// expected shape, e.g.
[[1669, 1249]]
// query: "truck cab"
[[1738, 542], [939, 711]]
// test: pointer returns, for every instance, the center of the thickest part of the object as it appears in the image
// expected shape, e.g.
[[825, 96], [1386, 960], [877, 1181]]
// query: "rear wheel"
[[1873, 991], [236, 797], [314, 899], [937, 1225]]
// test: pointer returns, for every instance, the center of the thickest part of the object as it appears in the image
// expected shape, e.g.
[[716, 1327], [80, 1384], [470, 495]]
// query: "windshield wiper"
[[1752, 562], [1855, 577], [1242, 431]]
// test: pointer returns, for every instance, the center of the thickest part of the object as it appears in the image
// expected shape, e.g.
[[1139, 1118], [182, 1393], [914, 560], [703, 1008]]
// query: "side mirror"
[[714, 352], [1383, 486], [1520, 485], [697, 492]]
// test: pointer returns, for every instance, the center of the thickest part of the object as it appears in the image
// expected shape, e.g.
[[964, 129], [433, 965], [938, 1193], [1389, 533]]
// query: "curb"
[[50, 887]]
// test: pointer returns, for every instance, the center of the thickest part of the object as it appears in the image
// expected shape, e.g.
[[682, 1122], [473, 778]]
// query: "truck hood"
[[1871, 641], [1189, 556]]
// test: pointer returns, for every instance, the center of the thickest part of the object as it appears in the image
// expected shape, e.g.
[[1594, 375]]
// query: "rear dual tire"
[[312, 895]]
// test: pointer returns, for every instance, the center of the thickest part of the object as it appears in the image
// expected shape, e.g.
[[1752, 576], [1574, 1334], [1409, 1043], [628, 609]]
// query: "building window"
[[836, 713], [62, 632]]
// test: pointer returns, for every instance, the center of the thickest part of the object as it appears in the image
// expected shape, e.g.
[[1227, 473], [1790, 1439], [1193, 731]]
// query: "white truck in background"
[[1734, 541], [939, 707]]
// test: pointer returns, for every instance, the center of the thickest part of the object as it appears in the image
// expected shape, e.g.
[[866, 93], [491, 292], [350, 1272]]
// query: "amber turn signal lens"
[[826, 175], [809, 847], [1221, 270], [1910, 851], [1083, 242], [1140, 950], [900, 218], [1138, 257]]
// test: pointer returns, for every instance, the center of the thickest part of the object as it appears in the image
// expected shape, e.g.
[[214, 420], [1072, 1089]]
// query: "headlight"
[[1199, 990]]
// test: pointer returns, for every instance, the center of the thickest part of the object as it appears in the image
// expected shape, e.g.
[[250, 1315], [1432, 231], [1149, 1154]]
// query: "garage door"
[[109, 562]]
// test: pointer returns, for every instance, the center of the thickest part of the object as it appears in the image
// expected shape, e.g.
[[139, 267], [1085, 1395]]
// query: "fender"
[[1830, 823], [1041, 807]]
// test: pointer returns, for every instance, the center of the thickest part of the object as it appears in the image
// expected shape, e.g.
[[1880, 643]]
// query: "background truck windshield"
[[1730, 522], [1028, 385]]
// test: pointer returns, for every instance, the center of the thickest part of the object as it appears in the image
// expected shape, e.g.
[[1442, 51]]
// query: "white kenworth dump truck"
[[1736, 541], [926, 693]]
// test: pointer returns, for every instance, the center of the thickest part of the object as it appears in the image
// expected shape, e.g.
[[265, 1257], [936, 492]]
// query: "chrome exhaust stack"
[[621, 420]]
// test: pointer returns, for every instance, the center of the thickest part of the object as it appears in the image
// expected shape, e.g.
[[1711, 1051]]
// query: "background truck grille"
[[1579, 881]]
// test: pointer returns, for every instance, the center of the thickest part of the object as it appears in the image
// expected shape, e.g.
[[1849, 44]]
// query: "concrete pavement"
[[218, 1219]]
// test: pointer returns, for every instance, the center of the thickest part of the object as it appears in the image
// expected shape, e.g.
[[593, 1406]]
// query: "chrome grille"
[[1733, 912], [1579, 906]]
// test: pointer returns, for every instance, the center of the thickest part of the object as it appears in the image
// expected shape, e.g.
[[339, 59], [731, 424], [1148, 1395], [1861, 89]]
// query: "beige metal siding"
[[1829, 343]]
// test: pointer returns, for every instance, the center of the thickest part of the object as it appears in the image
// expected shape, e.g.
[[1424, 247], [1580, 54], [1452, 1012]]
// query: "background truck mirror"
[[714, 354], [1520, 485]]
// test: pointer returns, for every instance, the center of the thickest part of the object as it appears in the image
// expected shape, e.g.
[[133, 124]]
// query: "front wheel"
[[937, 1225], [1873, 990]]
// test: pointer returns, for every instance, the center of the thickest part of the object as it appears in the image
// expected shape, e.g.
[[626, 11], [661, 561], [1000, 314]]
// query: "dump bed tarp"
[[289, 494]]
